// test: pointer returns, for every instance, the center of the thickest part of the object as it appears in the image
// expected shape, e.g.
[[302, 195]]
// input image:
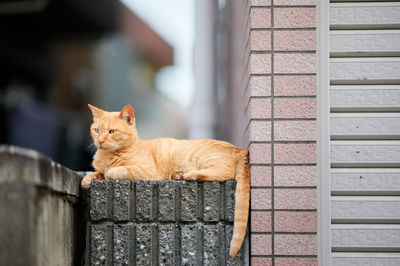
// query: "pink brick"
[[295, 18], [295, 176], [295, 221], [261, 198], [260, 17], [295, 154], [295, 130], [260, 2], [261, 262], [295, 244], [295, 40], [259, 108], [294, 2], [295, 86], [260, 86], [260, 221], [295, 63], [260, 175], [296, 262], [260, 40], [260, 64], [260, 130], [260, 153], [261, 244], [295, 107], [293, 199]]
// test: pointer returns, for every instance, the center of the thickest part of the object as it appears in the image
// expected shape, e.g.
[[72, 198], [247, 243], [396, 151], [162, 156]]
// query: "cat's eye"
[[112, 131], [96, 130]]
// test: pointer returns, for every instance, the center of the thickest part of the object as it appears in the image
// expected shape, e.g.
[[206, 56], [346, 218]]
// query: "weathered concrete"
[[168, 201], [161, 223], [39, 209], [45, 218]]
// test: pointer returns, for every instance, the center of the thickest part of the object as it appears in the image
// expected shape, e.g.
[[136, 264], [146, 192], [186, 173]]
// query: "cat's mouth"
[[104, 147], [101, 146]]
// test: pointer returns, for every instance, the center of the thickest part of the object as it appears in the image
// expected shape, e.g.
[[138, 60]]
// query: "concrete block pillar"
[[161, 223]]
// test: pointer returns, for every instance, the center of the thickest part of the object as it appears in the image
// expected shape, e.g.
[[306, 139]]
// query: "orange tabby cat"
[[122, 154]]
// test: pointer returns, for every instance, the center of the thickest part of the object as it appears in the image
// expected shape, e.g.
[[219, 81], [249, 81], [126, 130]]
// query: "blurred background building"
[[57, 56], [164, 59]]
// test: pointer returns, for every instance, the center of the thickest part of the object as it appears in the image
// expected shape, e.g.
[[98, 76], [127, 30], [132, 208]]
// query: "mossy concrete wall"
[[39, 211]]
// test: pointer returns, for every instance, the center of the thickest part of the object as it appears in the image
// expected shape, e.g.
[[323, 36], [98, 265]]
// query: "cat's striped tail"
[[242, 198]]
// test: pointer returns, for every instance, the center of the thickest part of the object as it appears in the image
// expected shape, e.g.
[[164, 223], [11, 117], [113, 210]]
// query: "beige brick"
[[295, 40], [296, 262], [260, 86], [295, 244], [260, 64], [295, 198], [260, 175], [295, 86], [260, 2], [259, 108], [295, 221], [295, 176], [260, 130], [261, 245], [261, 221], [261, 198], [295, 107], [294, 2], [260, 153], [295, 18], [261, 261], [295, 153], [295, 130], [295, 63], [260, 40], [260, 17]]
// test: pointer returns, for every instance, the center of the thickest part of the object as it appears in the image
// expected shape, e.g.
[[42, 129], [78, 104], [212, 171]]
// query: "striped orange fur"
[[121, 154]]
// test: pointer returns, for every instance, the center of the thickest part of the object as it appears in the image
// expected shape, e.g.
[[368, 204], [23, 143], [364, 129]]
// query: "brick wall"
[[273, 83]]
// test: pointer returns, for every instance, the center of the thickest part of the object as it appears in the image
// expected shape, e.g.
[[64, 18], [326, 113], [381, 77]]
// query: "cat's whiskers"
[[92, 147]]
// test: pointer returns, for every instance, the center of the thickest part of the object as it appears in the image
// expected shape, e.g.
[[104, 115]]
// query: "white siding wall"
[[365, 132]]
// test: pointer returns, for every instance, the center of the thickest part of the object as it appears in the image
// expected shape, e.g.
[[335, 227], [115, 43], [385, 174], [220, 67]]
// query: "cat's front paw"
[[85, 183], [118, 172], [177, 176]]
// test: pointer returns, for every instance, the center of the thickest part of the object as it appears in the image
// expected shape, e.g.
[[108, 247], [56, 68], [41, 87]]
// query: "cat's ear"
[[97, 112], [127, 114]]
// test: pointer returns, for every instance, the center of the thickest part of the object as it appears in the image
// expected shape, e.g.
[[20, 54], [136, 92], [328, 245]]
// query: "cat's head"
[[113, 131]]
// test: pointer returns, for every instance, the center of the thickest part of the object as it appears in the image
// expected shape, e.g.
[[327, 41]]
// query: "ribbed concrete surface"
[[161, 223]]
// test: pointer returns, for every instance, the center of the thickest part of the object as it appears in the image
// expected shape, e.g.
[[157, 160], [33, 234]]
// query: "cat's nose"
[[101, 142]]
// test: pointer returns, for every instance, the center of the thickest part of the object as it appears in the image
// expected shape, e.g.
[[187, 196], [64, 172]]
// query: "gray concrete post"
[[161, 223]]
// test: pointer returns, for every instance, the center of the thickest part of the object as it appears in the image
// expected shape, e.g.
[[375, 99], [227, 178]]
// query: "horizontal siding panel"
[[365, 98], [365, 259], [365, 126], [335, 1], [365, 153], [365, 181], [365, 237], [364, 71], [364, 15], [370, 70], [365, 42], [372, 209]]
